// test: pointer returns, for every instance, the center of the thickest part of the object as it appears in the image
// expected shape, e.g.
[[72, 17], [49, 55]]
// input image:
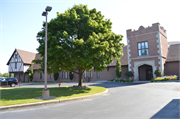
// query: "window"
[[98, 75], [91, 74], [50, 76], [40, 75], [68, 75], [62, 75], [15, 55], [65, 75], [85, 75], [143, 49], [15, 65]]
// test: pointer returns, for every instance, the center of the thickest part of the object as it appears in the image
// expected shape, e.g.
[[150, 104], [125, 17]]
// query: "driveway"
[[123, 101]]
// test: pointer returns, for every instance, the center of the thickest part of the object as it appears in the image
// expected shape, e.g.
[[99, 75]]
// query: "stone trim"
[[139, 63], [160, 52], [128, 53]]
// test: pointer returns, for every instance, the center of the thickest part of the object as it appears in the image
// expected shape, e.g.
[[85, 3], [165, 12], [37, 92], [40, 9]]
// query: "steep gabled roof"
[[27, 57], [173, 53]]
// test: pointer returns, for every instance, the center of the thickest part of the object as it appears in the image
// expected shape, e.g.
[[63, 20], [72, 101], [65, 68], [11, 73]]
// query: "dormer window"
[[143, 49]]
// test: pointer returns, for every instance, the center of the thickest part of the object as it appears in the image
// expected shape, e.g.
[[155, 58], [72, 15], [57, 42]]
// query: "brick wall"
[[171, 68]]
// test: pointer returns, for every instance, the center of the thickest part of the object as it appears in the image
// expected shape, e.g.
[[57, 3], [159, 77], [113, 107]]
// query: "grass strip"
[[15, 96]]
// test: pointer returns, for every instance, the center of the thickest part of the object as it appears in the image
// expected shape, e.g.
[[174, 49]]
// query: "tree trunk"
[[80, 78]]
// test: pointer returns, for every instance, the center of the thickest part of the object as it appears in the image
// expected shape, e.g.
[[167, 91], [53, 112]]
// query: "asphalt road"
[[123, 101]]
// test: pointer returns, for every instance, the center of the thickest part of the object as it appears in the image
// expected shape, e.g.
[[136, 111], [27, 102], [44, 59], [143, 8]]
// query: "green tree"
[[71, 75], [79, 40], [6, 75], [31, 73], [118, 69], [56, 75], [1, 75]]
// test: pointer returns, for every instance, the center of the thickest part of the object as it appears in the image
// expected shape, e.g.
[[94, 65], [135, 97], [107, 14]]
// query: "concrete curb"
[[51, 102]]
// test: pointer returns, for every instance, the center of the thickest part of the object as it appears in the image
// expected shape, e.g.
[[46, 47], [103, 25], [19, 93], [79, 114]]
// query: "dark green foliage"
[[118, 69], [56, 75], [158, 73], [79, 40], [129, 74], [31, 73], [71, 75]]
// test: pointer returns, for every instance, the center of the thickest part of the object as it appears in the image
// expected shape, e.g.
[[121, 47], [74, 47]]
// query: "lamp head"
[[44, 14], [48, 8]]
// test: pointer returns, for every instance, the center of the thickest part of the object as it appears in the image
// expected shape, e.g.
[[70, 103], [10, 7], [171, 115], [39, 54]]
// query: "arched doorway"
[[145, 72]]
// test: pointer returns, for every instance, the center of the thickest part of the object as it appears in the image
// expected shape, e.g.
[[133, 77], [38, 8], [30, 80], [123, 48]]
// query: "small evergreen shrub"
[[129, 74], [158, 73]]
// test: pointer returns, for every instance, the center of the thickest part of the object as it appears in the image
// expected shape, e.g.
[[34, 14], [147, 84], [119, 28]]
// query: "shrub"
[[56, 75], [129, 74], [128, 80], [122, 80], [30, 75], [158, 73], [118, 69], [71, 75]]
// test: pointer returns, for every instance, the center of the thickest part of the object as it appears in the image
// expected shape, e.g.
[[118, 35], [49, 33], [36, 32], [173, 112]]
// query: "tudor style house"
[[147, 50]]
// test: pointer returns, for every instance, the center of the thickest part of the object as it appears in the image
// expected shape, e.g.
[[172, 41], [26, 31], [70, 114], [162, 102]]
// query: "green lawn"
[[15, 96], [42, 82]]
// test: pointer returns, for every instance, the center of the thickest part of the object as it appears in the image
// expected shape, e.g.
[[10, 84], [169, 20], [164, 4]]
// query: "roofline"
[[11, 57]]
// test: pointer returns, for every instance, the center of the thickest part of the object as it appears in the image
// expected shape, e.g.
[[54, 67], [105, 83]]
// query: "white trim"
[[139, 63], [143, 34], [142, 57]]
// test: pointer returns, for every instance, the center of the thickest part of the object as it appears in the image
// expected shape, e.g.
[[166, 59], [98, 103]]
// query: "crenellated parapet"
[[150, 29]]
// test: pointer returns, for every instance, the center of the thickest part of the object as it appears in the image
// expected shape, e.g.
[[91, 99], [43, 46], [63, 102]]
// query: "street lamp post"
[[45, 92]]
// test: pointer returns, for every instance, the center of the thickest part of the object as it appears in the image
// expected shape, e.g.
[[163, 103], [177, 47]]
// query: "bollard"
[[59, 84]]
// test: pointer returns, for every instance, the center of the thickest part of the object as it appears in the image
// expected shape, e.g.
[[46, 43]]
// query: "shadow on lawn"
[[116, 84], [31, 93]]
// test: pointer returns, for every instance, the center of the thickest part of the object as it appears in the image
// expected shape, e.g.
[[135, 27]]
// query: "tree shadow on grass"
[[170, 111], [15, 94]]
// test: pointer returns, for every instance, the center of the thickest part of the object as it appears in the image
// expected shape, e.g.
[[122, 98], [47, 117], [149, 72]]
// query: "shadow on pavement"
[[115, 84], [170, 111]]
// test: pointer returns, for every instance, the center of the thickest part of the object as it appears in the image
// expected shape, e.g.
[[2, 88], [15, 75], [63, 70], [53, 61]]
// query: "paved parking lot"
[[123, 101]]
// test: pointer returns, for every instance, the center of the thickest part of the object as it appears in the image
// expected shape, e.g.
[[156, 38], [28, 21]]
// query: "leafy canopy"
[[79, 40]]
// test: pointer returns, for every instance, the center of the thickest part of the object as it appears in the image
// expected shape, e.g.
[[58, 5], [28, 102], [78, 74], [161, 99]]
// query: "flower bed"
[[121, 80], [166, 78]]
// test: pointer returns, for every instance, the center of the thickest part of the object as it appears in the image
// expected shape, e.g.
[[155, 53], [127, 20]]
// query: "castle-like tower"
[[147, 51]]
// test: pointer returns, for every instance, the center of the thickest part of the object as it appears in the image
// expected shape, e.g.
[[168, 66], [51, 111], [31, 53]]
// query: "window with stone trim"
[[85, 75], [62, 75], [91, 74], [143, 49], [98, 75]]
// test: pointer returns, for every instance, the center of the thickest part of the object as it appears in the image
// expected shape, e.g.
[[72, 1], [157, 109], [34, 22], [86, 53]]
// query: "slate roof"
[[173, 53]]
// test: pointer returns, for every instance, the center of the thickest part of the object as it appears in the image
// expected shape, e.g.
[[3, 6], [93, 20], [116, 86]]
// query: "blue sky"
[[20, 20]]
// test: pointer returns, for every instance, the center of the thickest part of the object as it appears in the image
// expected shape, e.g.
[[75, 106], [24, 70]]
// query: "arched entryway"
[[145, 72]]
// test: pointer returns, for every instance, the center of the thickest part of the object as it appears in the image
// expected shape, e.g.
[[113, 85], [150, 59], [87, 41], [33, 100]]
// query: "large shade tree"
[[79, 40]]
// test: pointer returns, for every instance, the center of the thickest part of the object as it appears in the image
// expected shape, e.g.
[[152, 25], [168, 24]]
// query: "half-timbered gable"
[[15, 63]]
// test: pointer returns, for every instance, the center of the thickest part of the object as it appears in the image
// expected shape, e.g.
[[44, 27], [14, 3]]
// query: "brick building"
[[147, 50]]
